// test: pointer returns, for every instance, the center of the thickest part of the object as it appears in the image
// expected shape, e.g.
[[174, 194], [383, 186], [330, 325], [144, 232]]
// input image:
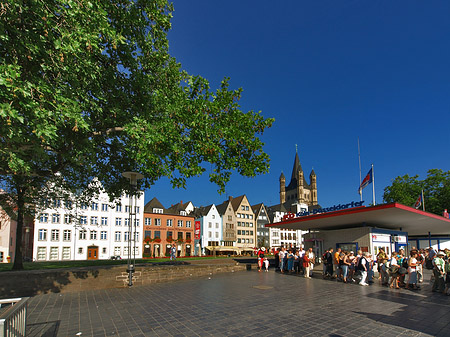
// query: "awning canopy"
[[392, 216], [222, 248]]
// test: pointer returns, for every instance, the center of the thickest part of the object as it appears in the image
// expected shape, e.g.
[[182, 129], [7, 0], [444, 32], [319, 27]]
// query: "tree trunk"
[[18, 260]]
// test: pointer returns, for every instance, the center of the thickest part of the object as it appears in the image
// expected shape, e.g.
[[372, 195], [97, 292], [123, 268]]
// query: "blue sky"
[[328, 72]]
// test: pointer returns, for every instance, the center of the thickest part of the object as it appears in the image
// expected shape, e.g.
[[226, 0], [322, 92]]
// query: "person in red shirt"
[[261, 252]]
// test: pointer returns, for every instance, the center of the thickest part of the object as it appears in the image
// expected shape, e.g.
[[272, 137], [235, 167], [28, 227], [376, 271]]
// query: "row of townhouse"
[[101, 230]]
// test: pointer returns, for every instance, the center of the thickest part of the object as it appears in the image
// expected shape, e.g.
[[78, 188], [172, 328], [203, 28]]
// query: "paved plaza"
[[246, 303]]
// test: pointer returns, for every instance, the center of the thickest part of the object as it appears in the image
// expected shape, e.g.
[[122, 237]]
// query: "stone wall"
[[30, 283]]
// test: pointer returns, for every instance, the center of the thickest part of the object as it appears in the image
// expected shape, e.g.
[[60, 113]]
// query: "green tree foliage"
[[88, 89], [436, 190]]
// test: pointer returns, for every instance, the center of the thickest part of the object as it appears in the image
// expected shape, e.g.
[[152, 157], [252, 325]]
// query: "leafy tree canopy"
[[89, 89], [436, 190]]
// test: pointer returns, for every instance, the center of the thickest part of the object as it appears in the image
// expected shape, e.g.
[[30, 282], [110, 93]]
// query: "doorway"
[[92, 252]]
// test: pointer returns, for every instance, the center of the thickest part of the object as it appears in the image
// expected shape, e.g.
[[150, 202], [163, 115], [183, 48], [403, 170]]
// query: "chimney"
[[181, 202]]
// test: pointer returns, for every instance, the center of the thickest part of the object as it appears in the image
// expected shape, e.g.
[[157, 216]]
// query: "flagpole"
[[373, 187], [423, 202], [359, 159]]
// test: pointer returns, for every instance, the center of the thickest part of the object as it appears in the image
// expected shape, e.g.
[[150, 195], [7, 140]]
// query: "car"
[[116, 257]]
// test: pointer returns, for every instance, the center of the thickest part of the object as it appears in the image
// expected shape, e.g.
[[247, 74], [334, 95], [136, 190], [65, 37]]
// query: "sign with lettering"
[[323, 210]]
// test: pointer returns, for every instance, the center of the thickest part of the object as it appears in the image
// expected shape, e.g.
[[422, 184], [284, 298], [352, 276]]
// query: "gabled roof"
[[154, 203], [177, 208], [202, 211], [222, 208], [257, 208], [235, 202]]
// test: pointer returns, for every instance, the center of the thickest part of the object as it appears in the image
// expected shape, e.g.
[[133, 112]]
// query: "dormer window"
[[158, 210], [182, 212]]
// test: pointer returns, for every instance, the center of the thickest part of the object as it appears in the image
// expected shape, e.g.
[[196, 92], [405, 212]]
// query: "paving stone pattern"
[[246, 303]]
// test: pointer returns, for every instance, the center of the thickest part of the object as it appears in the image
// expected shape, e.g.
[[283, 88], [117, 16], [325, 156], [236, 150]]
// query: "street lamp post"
[[133, 177]]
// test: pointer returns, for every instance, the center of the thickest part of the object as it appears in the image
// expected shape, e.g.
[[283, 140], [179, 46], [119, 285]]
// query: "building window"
[[188, 223], [136, 222], [136, 236], [209, 224], [157, 234], [217, 235], [118, 221], [239, 232], [137, 209], [148, 221], [104, 220], [180, 223], [117, 251], [84, 206], [42, 253], [183, 213], [93, 235], [94, 206], [66, 253], [188, 236], [53, 253], [104, 250], [103, 235], [68, 204], [217, 225], [104, 207], [55, 218], [169, 222], [119, 208], [94, 220], [180, 235], [239, 240], [82, 234], [209, 234], [157, 210], [126, 236], [42, 235], [127, 222], [169, 235], [127, 209], [55, 235], [67, 218], [56, 203], [117, 236], [80, 250], [67, 233], [43, 218], [157, 222], [147, 234], [83, 220]]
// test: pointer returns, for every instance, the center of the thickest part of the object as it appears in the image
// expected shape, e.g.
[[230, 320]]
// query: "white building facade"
[[98, 230]]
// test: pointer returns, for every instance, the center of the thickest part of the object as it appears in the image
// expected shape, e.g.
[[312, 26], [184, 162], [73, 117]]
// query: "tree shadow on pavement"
[[422, 311], [46, 329]]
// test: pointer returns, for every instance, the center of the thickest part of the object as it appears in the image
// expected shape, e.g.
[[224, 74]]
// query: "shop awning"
[[393, 216]]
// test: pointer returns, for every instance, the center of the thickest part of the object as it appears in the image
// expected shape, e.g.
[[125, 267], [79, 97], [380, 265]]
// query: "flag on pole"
[[366, 181], [419, 201]]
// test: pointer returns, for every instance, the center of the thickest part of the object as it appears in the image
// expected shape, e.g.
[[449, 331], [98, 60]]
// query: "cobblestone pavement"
[[245, 303]]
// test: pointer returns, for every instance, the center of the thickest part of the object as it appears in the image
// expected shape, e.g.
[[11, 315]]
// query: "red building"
[[164, 227]]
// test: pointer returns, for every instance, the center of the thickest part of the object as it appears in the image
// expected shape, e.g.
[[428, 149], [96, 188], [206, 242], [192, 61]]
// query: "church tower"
[[298, 191], [282, 188]]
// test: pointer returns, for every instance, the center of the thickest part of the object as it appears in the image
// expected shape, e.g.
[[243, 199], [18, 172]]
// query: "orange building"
[[164, 227]]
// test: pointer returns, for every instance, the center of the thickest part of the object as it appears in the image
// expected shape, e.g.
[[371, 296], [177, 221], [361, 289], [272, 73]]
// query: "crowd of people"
[[399, 270]]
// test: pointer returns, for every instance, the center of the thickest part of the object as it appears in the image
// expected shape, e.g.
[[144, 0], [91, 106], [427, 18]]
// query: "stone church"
[[299, 193]]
